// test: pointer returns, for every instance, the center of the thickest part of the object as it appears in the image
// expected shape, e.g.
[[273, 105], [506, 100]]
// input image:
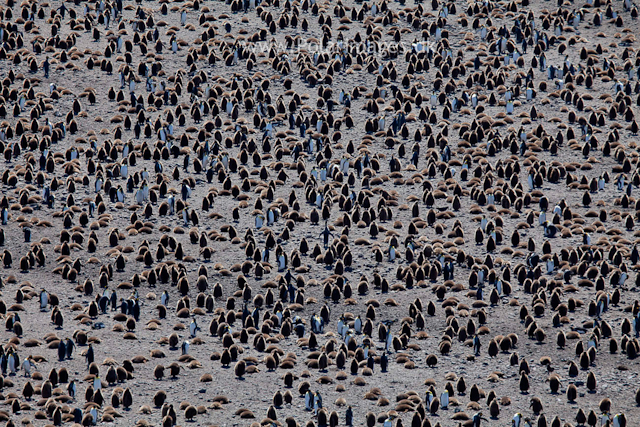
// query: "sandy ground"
[[203, 382]]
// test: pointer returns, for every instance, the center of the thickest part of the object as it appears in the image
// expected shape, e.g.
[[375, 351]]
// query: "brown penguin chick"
[[173, 341], [174, 369], [591, 382], [58, 319], [190, 412], [561, 340], [278, 399], [572, 393], [494, 408], [554, 383], [493, 348], [225, 358], [432, 360], [167, 421], [434, 406], [112, 376], [536, 405], [159, 398], [581, 417], [127, 398], [115, 397], [97, 398], [605, 405], [573, 369], [158, 372], [131, 324], [524, 383], [27, 390], [7, 258], [17, 329], [87, 420]]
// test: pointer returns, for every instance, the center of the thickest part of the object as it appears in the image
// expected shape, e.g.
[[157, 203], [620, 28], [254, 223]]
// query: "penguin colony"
[[314, 213]]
